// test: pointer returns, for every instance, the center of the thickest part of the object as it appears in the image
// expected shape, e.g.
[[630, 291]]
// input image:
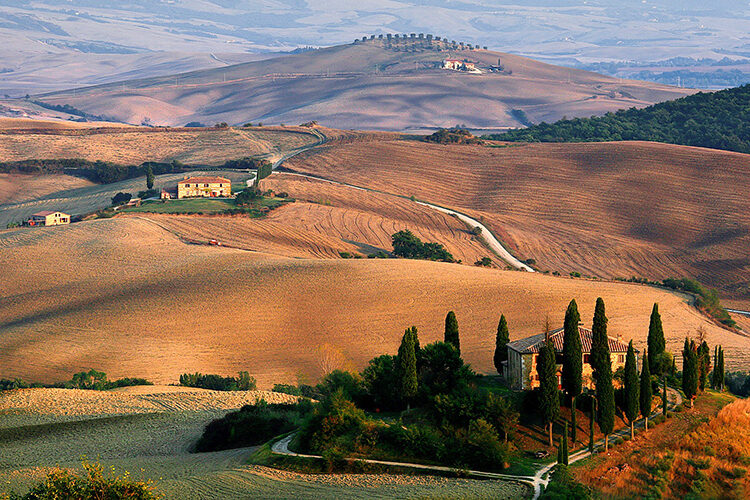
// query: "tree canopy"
[[719, 120], [501, 343], [656, 342], [572, 369], [451, 331]]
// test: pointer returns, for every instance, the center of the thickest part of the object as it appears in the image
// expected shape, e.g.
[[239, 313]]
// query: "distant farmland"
[[129, 298], [605, 209], [134, 145]]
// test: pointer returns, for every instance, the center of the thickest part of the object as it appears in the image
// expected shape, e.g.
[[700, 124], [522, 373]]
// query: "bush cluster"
[[92, 380], [453, 136], [251, 425], [242, 382], [409, 246]]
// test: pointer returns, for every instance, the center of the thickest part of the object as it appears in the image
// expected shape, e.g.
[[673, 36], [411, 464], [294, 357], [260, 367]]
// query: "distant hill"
[[380, 84], [718, 120]]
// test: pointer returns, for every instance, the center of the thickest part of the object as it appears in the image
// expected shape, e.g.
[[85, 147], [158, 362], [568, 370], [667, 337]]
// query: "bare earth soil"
[[134, 145], [129, 298], [604, 209], [15, 188]]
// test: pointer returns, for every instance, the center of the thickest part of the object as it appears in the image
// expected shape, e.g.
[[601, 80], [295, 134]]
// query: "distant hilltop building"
[[458, 65], [205, 187], [49, 218], [521, 370]]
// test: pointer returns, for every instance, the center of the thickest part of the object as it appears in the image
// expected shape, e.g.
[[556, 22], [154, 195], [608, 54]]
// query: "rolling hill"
[[129, 298], [377, 84], [604, 209]]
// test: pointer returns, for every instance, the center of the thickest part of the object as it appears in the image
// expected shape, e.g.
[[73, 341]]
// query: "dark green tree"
[[721, 377], [689, 370], [632, 388], [715, 371], [600, 355], [565, 453], [656, 342], [451, 331], [149, 177], [501, 343], [645, 393], [602, 365], [592, 419], [549, 392], [407, 368], [704, 364], [664, 396], [572, 369]]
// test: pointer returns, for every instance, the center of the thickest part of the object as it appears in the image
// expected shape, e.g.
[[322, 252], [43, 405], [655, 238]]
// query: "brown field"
[[699, 447], [365, 86], [16, 188], [604, 209], [134, 145], [327, 219], [126, 297]]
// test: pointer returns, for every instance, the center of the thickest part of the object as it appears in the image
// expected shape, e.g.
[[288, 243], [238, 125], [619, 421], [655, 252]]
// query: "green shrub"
[[243, 382], [563, 486], [287, 389], [249, 426], [93, 485]]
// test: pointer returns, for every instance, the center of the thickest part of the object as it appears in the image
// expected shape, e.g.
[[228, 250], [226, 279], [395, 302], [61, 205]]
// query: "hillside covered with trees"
[[719, 120]]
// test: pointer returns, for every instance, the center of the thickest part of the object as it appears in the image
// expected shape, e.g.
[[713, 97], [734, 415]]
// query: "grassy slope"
[[15, 188], [690, 437], [126, 297], [366, 86], [606, 209]]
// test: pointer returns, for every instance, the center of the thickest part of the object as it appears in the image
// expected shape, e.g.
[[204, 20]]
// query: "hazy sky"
[[564, 29]]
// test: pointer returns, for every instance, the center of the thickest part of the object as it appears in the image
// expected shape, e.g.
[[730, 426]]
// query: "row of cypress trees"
[[696, 366]]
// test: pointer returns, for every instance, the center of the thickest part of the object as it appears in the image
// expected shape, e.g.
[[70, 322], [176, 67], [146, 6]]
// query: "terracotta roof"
[[205, 179], [534, 343], [44, 213]]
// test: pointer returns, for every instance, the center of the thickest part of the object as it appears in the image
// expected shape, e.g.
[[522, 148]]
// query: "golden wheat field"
[[134, 145], [603, 209], [16, 188], [128, 297], [327, 219]]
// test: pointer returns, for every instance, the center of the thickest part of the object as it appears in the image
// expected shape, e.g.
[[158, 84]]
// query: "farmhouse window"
[[620, 358], [205, 185], [587, 358], [187, 185]]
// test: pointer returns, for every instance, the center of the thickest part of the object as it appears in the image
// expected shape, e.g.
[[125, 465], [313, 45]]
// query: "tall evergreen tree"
[[501, 344], [149, 177], [632, 388], [451, 331], [415, 338], [564, 446], [721, 377], [549, 393], [689, 370], [592, 419], [656, 342], [704, 365], [715, 371], [645, 394], [602, 365], [664, 396], [572, 369], [407, 367], [600, 355]]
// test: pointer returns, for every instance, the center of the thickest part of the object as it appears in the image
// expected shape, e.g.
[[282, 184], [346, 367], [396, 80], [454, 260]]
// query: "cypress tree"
[[721, 377], [564, 445], [602, 365], [407, 367], [549, 398], [560, 451], [664, 396], [689, 370], [451, 331], [149, 177], [632, 388], [572, 369], [645, 392], [656, 342], [415, 338], [600, 356], [501, 343], [715, 372], [704, 364]]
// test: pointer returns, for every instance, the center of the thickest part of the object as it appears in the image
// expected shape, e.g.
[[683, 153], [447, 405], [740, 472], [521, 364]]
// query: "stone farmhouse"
[[48, 218], [206, 187], [521, 371]]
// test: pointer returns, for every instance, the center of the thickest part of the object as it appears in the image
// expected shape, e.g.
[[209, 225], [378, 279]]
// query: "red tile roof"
[[205, 180], [44, 213], [534, 343]]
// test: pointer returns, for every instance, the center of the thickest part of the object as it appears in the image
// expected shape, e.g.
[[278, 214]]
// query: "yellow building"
[[49, 218], [521, 369], [206, 187]]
